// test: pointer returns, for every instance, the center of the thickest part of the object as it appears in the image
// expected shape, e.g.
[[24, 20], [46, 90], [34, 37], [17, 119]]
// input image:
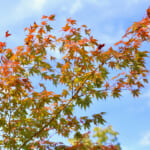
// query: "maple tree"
[[28, 114]]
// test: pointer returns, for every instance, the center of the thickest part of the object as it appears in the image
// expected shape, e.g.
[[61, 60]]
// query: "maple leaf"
[[48, 27], [7, 34], [118, 43], [25, 80], [88, 31], [100, 46], [66, 28], [148, 12], [2, 44], [43, 23], [71, 21], [51, 17], [65, 93], [106, 85], [44, 17]]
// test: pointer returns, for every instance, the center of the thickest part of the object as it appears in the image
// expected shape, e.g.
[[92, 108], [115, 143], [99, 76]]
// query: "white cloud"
[[76, 6], [22, 10], [145, 141], [38, 4], [27, 8]]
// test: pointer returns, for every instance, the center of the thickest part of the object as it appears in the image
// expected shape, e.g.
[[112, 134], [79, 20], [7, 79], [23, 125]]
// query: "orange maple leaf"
[[51, 17], [66, 28], [44, 17], [106, 85], [71, 21], [43, 23], [117, 43]]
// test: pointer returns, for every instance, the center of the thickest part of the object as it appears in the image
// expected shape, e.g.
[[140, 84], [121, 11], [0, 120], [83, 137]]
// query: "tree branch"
[[56, 115]]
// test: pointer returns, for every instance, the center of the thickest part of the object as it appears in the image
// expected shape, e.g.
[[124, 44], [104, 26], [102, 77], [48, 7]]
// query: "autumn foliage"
[[82, 73]]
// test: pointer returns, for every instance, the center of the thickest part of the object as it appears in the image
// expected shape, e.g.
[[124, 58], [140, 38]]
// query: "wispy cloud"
[[39, 4], [22, 10], [145, 141], [75, 6], [78, 4], [27, 8]]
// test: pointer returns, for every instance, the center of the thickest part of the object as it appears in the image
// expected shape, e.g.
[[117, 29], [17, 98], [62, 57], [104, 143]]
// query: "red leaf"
[[100, 46], [2, 44], [148, 12], [7, 34]]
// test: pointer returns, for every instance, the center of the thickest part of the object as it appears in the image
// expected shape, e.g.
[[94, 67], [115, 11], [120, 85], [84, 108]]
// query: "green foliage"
[[103, 139], [29, 113]]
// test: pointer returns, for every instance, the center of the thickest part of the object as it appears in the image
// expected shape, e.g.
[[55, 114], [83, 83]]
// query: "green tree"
[[29, 114], [105, 140]]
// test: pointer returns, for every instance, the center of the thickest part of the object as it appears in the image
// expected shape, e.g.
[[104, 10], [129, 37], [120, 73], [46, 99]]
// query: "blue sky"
[[108, 20]]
